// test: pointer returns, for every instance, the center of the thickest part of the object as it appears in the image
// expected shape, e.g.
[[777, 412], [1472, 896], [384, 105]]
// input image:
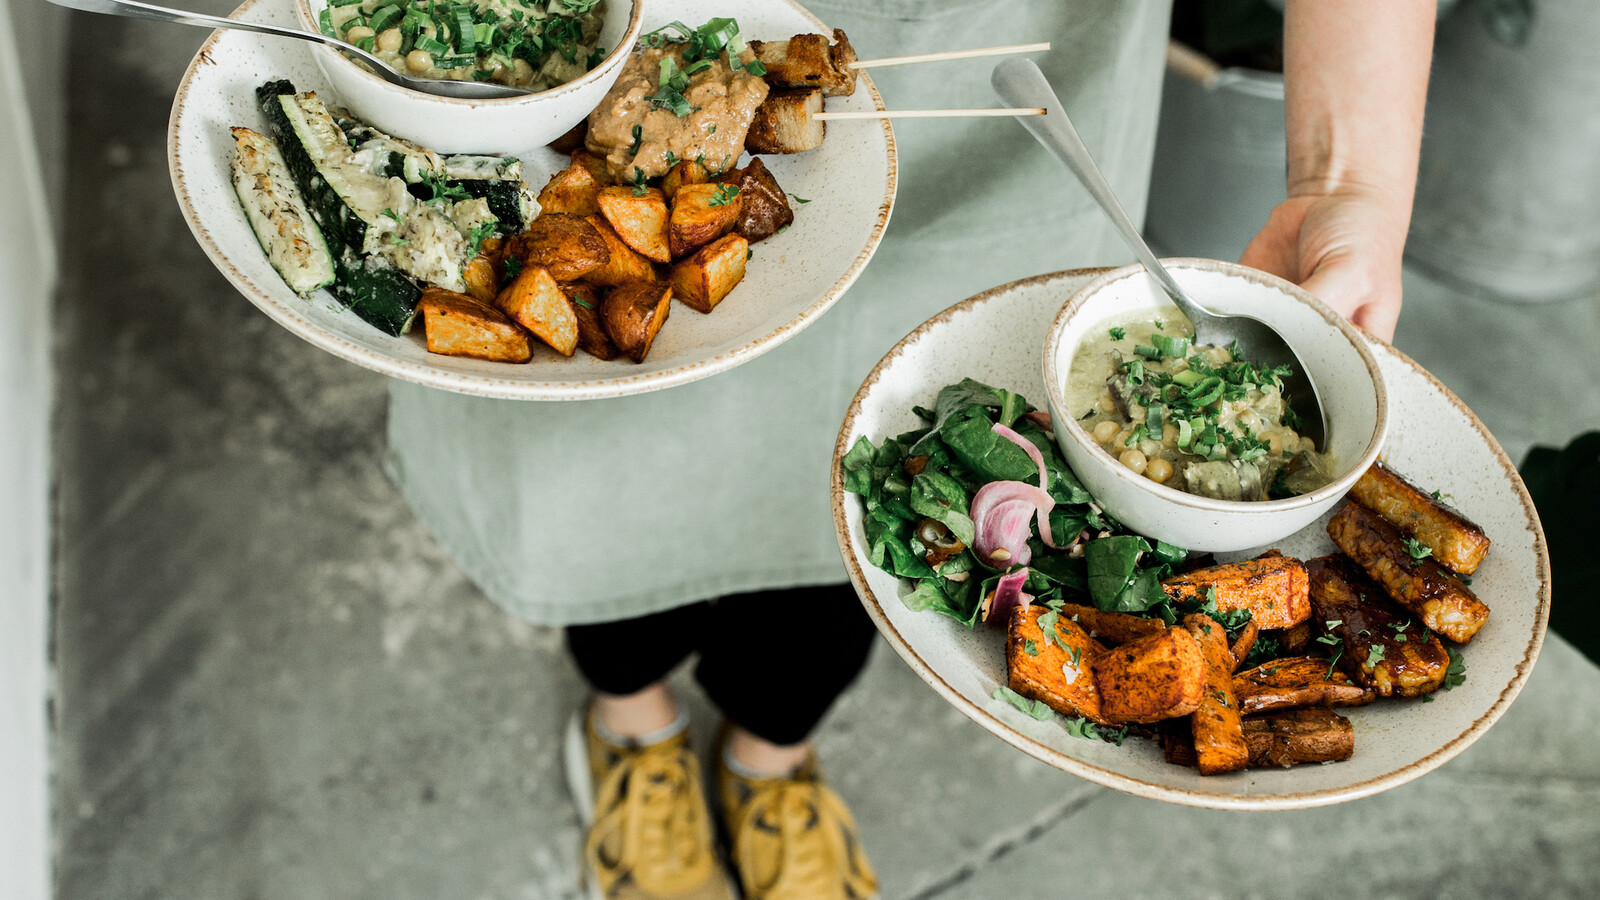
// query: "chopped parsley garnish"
[[480, 233], [1338, 652], [1030, 648], [1374, 655], [513, 268], [582, 302], [1118, 334], [798, 199], [640, 182], [638, 138], [724, 195], [1457, 673], [1080, 727], [1418, 550]]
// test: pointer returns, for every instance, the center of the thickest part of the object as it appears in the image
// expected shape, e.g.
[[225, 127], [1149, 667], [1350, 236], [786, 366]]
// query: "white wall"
[[27, 283]]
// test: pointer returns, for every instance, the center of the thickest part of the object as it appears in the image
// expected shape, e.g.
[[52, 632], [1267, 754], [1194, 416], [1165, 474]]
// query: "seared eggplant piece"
[[1384, 647], [1416, 582]]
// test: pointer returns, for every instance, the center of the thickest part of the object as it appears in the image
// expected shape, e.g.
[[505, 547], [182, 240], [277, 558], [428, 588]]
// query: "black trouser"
[[772, 661]]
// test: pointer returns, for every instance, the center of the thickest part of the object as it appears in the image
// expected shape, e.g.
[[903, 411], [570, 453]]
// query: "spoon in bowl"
[[1020, 83], [442, 87]]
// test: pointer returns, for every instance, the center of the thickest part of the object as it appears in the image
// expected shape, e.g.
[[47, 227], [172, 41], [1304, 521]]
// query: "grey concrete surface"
[[273, 684]]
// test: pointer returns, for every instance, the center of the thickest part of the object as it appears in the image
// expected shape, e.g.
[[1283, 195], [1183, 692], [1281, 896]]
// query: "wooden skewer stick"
[[926, 113], [948, 54]]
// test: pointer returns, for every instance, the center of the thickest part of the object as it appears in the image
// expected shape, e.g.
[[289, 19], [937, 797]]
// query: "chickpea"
[[1307, 445], [1273, 440], [1150, 448], [356, 34], [1169, 435], [1121, 438], [419, 61], [521, 71], [1105, 431], [1107, 405], [389, 40], [1158, 470], [1134, 460]]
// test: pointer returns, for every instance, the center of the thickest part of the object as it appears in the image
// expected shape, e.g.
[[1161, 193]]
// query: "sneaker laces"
[[807, 830], [651, 824]]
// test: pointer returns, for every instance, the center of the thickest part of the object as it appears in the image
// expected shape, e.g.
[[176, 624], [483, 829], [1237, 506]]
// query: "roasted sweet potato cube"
[[1273, 588], [458, 325], [785, 123], [633, 314], [1151, 679], [640, 220], [702, 280], [764, 207], [688, 171], [1058, 674], [624, 266], [535, 301], [573, 139], [701, 213], [1112, 628], [572, 190], [592, 337], [595, 163], [565, 244], [1218, 737]]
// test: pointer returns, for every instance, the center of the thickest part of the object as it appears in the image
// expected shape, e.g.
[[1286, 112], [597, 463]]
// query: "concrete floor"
[[273, 684]]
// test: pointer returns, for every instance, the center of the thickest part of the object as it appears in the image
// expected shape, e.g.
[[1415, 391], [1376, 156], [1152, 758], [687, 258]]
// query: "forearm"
[[1355, 83]]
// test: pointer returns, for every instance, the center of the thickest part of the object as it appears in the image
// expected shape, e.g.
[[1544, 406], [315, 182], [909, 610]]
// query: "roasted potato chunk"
[[1215, 725], [535, 301], [1295, 682], [573, 139], [483, 281], [572, 190], [1273, 589], [765, 209], [595, 163], [1151, 679], [786, 123], [565, 244], [624, 265], [701, 213], [1056, 673], [1420, 585], [809, 61], [1112, 628], [1457, 543], [702, 280], [640, 220], [592, 337], [633, 315], [1384, 647], [458, 325], [688, 171]]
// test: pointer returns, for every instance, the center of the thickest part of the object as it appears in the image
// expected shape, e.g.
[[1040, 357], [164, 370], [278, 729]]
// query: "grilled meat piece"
[[1420, 585], [1457, 543], [1385, 647], [1295, 682], [1273, 588], [809, 61]]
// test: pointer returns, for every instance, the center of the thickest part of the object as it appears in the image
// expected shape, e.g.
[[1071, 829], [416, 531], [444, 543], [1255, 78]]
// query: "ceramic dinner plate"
[[996, 338], [792, 279]]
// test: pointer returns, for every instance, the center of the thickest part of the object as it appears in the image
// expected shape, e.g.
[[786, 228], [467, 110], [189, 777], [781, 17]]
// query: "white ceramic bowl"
[[448, 125], [1346, 374]]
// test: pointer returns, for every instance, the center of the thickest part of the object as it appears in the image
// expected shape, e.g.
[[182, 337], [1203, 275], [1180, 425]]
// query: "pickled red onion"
[[1044, 481], [1008, 595]]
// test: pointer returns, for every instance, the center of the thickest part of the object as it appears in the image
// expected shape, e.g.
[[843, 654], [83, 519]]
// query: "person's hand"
[[1344, 247]]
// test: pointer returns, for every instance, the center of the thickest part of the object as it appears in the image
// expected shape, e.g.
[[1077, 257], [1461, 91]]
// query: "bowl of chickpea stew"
[[1194, 444], [569, 52]]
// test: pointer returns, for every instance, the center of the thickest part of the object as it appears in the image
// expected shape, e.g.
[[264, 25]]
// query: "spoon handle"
[[1020, 83], [133, 9]]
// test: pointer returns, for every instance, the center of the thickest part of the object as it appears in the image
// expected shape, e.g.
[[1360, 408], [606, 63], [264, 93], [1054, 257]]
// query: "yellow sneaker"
[[649, 827], [793, 838]]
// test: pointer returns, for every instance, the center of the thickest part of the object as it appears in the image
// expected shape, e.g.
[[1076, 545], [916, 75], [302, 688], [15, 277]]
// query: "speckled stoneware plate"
[[792, 279], [995, 338]]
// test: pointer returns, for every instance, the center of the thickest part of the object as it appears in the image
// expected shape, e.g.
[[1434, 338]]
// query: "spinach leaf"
[[968, 399], [1111, 562], [943, 499], [1067, 524], [1066, 571], [972, 440]]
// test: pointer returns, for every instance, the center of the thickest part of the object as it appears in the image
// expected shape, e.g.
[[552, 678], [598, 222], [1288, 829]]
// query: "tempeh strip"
[[1384, 647], [1457, 543], [1420, 585]]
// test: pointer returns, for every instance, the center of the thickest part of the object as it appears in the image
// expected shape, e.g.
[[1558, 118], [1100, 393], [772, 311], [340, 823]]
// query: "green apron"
[[607, 509]]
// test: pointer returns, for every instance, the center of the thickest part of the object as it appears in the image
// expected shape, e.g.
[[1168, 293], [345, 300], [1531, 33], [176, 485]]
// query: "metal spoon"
[[1020, 83], [443, 87]]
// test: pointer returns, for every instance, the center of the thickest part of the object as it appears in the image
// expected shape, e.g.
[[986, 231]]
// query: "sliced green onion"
[[432, 46], [1153, 417], [1187, 378], [465, 30], [1185, 434], [1169, 345], [325, 22], [367, 43], [386, 17], [338, 3], [1147, 352], [1135, 369]]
